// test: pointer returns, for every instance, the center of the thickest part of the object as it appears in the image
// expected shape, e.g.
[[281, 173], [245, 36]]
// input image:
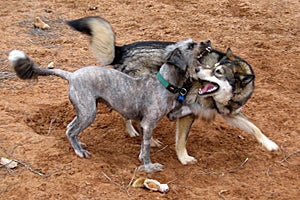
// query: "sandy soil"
[[33, 115]]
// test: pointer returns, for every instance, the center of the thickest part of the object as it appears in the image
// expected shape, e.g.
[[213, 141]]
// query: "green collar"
[[172, 88]]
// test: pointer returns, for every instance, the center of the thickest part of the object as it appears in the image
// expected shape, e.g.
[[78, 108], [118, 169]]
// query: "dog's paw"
[[82, 153], [187, 160], [269, 144], [130, 129], [184, 157], [151, 168]]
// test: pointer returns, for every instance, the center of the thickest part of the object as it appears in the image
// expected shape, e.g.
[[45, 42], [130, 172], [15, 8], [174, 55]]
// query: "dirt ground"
[[231, 164]]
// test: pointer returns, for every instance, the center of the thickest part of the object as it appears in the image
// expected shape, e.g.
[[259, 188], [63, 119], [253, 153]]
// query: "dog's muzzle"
[[205, 48], [208, 88]]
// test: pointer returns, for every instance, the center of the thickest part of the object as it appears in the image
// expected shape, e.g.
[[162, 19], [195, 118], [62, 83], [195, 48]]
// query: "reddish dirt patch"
[[33, 115]]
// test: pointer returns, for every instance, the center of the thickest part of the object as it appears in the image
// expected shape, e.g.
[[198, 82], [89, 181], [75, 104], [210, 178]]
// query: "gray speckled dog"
[[144, 99]]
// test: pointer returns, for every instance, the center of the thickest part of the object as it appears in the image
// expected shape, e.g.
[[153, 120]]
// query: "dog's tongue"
[[208, 87]]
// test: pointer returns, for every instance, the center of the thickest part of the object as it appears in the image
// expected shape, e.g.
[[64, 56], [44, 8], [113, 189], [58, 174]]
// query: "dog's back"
[[135, 59], [120, 91], [140, 58]]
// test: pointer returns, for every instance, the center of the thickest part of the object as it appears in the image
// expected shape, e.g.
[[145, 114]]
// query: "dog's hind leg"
[[77, 126], [70, 126], [183, 127], [85, 115], [73, 139], [133, 131], [130, 128], [240, 121]]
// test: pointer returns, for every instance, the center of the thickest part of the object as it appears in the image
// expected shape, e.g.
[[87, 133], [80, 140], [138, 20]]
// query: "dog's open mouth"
[[208, 88], [203, 53]]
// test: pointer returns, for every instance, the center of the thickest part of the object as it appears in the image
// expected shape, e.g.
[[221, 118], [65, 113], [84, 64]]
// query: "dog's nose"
[[207, 43], [197, 69]]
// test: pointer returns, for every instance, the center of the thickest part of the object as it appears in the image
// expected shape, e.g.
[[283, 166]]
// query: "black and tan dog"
[[227, 84]]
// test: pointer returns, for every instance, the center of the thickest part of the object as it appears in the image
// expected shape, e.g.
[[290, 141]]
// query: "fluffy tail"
[[25, 68], [102, 37]]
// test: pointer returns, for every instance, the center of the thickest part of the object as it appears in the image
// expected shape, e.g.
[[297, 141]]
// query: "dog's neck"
[[173, 75]]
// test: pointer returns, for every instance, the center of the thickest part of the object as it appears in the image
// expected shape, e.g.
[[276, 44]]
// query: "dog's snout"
[[206, 43], [197, 69]]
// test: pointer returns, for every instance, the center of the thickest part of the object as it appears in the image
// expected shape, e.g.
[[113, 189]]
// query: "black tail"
[[82, 24], [25, 68]]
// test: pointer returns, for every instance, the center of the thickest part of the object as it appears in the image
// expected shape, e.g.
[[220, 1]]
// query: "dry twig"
[[178, 177], [286, 157], [21, 163], [121, 186], [29, 168], [7, 75], [160, 150], [221, 194], [238, 168], [230, 171], [133, 176], [50, 126]]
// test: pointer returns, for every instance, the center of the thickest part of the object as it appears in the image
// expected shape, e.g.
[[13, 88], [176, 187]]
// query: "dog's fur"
[[235, 85], [229, 84], [146, 57], [143, 98], [103, 45], [148, 54]]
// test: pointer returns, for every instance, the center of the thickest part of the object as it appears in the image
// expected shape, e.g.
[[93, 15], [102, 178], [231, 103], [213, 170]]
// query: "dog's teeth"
[[208, 49], [200, 91]]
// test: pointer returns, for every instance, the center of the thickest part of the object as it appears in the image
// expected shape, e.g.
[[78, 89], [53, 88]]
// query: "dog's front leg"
[[144, 156], [240, 121], [183, 127]]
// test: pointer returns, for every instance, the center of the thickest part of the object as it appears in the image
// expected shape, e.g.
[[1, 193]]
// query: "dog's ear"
[[244, 78], [230, 55], [176, 58], [243, 72]]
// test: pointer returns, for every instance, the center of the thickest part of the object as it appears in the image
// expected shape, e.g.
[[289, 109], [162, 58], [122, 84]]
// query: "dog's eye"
[[219, 71], [191, 46]]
